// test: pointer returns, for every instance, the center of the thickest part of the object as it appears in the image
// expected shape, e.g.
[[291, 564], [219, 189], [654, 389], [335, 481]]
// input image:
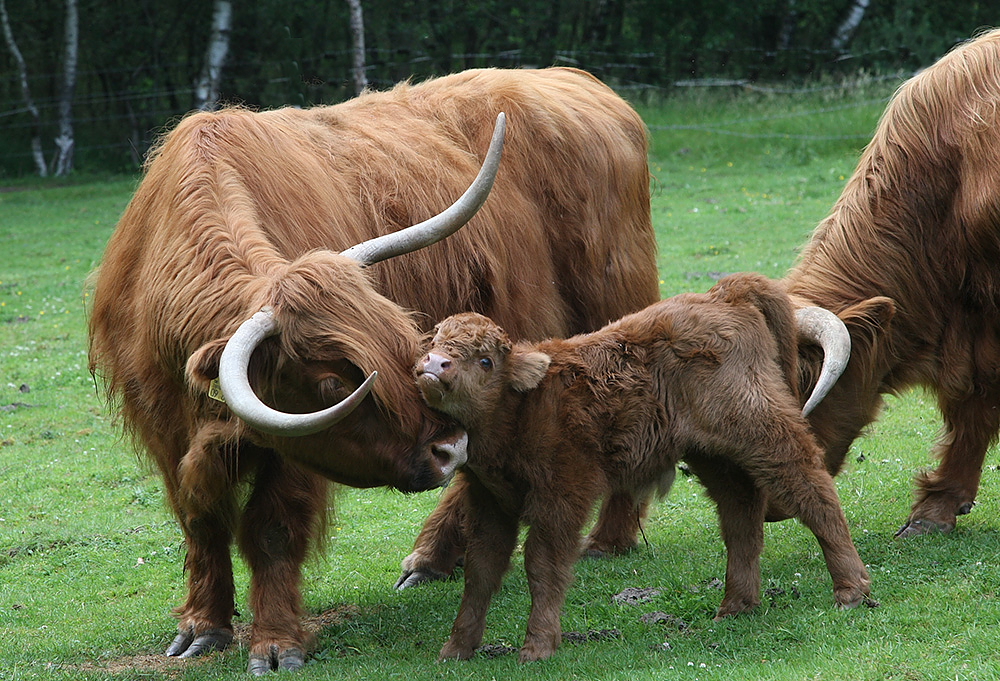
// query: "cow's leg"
[[279, 521], [206, 616], [492, 538], [441, 543], [203, 500], [617, 525], [550, 551], [741, 507], [971, 426]]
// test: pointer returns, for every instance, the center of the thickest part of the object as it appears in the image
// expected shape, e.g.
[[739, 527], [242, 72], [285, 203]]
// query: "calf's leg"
[[492, 536], [617, 525], [549, 553], [793, 475], [741, 508]]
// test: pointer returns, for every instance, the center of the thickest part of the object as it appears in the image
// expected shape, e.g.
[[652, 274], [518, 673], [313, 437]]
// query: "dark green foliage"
[[139, 60]]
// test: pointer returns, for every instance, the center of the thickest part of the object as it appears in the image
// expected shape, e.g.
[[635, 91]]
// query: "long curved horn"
[[444, 224], [830, 333], [235, 383]]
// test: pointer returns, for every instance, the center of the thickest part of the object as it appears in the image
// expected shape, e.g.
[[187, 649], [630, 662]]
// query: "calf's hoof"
[[187, 644], [735, 606], [455, 651], [533, 651], [914, 527], [848, 598]]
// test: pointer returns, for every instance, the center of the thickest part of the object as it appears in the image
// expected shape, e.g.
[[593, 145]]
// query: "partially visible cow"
[[250, 252], [919, 222], [554, 425]]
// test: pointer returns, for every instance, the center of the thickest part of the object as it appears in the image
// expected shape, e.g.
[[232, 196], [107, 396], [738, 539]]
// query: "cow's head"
[[299, 371], [470, 364]]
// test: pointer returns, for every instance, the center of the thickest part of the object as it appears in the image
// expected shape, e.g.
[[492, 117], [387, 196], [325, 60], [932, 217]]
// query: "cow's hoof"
[[188, 645], [275, 659], [917, 526], [848, 599], [419, 576]]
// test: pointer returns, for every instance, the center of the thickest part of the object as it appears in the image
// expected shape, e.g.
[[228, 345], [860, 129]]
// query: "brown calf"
[[555, 425]]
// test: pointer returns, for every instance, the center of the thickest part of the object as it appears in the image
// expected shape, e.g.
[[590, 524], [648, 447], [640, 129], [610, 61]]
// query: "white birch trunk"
[[850, 24], [207, 88], [29, 102], [63, 163], [358, 36]]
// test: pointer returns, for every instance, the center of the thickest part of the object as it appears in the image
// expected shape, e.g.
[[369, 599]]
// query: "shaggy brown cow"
[[241, 212], [553, 425]]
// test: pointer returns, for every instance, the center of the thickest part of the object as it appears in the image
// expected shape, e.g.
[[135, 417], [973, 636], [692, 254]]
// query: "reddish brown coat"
[[919, 222], [554, 425], [240, 210]]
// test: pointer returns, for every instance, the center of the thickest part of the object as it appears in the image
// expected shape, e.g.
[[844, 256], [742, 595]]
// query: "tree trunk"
[[850, 24], [62, 165], [358, 40], [207, 88], [29, 102]]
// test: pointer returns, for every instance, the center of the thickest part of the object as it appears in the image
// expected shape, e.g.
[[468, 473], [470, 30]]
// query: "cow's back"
[[565, 242]]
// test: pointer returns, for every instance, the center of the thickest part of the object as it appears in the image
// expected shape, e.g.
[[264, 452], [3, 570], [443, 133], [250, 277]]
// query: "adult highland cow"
[[248, 253]]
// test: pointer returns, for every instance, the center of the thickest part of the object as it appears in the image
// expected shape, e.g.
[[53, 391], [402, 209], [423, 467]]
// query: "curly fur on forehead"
[[471, 331]]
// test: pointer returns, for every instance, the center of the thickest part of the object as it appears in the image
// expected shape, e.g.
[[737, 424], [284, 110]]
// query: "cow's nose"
[[436, 364]]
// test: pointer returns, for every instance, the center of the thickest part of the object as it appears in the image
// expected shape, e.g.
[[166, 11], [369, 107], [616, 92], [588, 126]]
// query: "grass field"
[[91, 561]]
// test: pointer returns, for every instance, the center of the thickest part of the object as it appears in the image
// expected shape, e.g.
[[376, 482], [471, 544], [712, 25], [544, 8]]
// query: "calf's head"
[[471, 364]]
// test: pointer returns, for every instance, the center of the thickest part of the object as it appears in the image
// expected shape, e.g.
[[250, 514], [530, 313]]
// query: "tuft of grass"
[[91, 561]]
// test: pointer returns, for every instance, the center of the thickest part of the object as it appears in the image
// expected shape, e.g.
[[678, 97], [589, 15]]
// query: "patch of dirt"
[[172, 667], [634, 596]]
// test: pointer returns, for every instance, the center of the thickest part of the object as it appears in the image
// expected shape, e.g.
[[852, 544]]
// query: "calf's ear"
[[527, 369]]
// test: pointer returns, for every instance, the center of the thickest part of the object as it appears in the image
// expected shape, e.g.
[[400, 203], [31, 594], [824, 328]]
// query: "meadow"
[[91, 560]]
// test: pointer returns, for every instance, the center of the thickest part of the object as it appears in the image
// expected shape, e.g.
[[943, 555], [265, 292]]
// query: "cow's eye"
[[486, 364]]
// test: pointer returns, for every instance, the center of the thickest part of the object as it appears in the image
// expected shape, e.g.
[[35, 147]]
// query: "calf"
[[555, 425]]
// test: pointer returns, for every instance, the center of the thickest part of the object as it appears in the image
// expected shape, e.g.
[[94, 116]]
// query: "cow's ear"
[[203, 364], [527, 369], [869, 320]]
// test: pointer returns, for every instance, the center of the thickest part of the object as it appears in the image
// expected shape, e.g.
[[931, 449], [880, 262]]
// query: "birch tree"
[[62, 164], [207, 89], [358, 40], [29, 102], [850, 24]]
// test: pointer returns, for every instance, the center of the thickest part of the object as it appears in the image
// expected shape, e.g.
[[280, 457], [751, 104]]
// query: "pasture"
[[91, 560]]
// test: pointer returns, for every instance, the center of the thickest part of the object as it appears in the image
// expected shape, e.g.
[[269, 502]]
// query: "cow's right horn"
[[830, 333], [241, 399], [443, 224]]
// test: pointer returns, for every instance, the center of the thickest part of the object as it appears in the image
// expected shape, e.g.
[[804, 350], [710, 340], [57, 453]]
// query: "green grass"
[[91, 562]]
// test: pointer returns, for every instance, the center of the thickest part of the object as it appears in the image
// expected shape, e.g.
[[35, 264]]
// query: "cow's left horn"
[[448, 222], [239, 395], [830, 333]]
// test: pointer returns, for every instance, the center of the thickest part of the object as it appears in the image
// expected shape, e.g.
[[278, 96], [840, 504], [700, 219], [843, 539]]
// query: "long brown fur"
[[919, 223], [239, 210], [555, 425]]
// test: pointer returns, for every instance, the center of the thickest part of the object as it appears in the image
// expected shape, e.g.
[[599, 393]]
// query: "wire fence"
[[115, 128]]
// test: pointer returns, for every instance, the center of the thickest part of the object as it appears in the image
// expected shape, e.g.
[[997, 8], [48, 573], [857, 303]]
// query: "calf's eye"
[[486, 364]]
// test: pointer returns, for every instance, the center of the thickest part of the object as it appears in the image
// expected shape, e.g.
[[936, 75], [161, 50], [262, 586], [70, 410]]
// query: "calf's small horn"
[[444, 224], [241, 399], [830, 333]]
